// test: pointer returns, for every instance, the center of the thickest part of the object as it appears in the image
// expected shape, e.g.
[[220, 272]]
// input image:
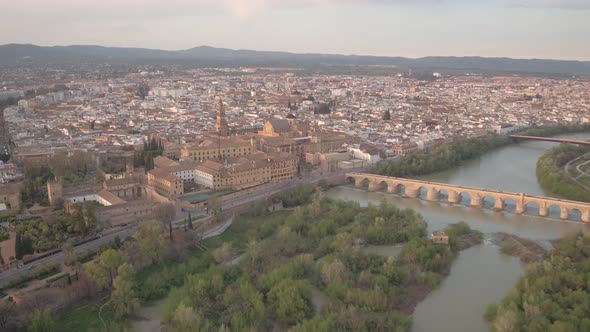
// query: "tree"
[[166, 213], [291, 301], [97, 275], [69, 254], [214, 206], [104, 270], [111, 260], [124, 299], [42, 321], [190, 221], [387, 115], [186, 319], [142, 90], [224, 253], [244, 307], [151, 239], [7, 310], [322, 108]]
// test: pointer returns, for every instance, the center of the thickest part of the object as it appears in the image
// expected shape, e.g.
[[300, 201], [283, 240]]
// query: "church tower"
[[221, 124]]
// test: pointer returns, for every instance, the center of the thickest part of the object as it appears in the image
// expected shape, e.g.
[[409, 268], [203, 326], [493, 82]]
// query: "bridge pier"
[[476, 200], [519, 208], [585, 216], [358, 182], [374, 186], [392, 188], [412, 192], [433, 195], [499, 204], [564, 213], [543, 211], [453, 198]]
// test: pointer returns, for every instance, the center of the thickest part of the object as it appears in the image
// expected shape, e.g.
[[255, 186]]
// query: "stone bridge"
[[434, 191]]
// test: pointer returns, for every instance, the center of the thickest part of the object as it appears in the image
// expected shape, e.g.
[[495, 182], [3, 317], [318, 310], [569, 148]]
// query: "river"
[[480, 275]]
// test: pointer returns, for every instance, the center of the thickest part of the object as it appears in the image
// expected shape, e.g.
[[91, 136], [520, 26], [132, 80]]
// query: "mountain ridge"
[[208, 56]]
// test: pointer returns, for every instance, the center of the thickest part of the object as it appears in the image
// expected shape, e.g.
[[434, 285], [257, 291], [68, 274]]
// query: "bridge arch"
[[394, 187], [361, 182], [555, 211], [464, 197], [575, 214], [510, 204], [532, 207], [488, 200]]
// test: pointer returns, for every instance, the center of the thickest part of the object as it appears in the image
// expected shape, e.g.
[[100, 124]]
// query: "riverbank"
[[444, 156], [535, 303], [555, 174], [528, 251], [460, 237]]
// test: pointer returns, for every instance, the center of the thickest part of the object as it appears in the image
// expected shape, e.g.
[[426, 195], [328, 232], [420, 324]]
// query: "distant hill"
[[205, 56]]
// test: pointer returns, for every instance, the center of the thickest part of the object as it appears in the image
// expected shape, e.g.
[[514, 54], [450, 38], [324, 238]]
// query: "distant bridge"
[[549, 139], [412, 189]]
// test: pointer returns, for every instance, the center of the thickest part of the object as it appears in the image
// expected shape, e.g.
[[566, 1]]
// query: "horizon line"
[[304, 53]]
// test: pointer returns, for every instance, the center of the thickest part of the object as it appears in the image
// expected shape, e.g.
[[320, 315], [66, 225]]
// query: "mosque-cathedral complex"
[[223, 160]]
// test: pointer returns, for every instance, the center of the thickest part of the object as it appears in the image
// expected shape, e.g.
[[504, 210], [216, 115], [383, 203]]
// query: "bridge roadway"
[[549, 139], [412, 189]]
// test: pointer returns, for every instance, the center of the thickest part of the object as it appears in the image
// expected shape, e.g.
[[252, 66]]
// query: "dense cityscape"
[[294, 166], [90, 158]]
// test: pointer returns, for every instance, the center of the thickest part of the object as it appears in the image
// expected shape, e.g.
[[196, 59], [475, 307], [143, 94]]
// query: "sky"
[[549, 29]]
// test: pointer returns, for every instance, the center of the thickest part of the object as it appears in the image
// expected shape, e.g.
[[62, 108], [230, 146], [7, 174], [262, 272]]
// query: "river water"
[[480, 275]]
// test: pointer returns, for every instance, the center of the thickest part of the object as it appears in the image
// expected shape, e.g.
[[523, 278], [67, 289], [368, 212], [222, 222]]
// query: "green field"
[[85, 318]]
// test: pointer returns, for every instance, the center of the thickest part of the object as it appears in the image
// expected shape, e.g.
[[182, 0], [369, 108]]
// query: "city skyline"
[[490, 28]]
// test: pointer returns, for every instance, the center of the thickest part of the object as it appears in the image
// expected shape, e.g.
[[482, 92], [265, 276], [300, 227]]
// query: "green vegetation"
[[4, 234], [556, 130], [269, 265], [285, 255], [35, 235], [85, 318], [301, 195], [444, 156], [35, 179], [439, 157], [462, 237], [553, 177], [554, 295], [42, 321], [39, 273], [145, 157]]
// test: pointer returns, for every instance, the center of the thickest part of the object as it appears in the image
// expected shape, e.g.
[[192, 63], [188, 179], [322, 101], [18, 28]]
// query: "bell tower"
[[221, 124]]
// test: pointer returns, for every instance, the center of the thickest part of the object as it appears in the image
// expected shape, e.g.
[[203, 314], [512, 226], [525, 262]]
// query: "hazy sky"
[[558, 29]]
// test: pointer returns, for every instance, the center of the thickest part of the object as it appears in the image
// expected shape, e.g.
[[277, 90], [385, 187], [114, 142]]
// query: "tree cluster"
[[314, 249], [145, 157], [553, 295], [36, 235], [34, 184], [439, 157], [322, 108]]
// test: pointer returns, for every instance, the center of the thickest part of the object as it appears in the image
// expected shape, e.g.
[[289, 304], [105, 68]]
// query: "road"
[[129, 230], [582, 173]]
